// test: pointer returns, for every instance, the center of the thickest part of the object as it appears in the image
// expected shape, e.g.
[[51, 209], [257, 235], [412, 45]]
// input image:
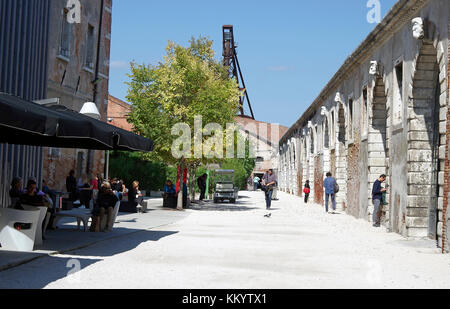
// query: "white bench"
[[18, 240], [44, 216], [82, 215], [113, 217]]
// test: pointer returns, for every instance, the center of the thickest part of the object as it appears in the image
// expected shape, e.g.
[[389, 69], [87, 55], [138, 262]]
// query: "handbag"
[[336, 188]]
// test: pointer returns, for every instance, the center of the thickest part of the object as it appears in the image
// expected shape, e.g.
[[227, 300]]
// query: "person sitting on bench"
[[169, 189], [134, 199], [105, 204]]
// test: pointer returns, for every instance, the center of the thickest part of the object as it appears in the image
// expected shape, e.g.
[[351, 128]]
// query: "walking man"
[[377, 197], [269, 181], [330, 191]]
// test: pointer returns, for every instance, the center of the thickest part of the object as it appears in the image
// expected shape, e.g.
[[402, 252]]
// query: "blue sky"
[[288, 49]]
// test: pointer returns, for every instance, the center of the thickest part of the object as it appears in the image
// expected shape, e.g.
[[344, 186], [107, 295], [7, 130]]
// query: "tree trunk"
[[181, 182], [193, 176]]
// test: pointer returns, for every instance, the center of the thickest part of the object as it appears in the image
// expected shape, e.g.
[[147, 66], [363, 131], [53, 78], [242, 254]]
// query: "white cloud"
[[115, 64], [280, 68]]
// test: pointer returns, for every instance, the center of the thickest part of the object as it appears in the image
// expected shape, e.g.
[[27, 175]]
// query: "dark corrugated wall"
[[23, 72]]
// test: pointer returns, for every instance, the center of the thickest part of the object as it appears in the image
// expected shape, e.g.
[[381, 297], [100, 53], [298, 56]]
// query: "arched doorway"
[[424, 143], [326, 147], [378, 140], [341, 157]]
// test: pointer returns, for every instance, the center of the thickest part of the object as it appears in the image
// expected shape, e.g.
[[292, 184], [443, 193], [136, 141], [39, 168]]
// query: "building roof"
[[245, 121], [396, 18]]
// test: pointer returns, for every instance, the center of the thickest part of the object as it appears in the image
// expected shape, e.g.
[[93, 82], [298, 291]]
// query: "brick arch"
[[424, 138]]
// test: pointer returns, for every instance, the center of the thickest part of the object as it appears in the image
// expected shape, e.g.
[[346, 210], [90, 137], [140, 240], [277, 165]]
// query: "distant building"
[[264, 137], [78, 71], [118, 112]]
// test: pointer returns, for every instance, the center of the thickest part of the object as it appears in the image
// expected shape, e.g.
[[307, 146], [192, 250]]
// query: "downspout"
[[96, 79]]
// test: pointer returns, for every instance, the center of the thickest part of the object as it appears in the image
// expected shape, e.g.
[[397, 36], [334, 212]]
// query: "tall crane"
[[231, 61]]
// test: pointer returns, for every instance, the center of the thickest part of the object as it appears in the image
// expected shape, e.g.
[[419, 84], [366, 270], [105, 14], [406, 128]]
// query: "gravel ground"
[[237, 247]]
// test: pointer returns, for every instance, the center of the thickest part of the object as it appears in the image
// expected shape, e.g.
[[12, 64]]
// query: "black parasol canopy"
[[27, 123]]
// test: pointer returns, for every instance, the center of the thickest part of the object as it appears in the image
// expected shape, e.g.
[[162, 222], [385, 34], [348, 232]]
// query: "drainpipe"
[[96, 78]]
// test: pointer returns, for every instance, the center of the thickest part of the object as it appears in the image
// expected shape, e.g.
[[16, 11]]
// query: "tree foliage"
[[189, 82]]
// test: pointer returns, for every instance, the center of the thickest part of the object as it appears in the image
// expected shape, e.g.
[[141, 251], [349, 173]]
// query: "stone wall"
[[388, 106]]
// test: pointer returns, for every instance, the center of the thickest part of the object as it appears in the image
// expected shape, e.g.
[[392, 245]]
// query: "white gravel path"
[[298, 247]]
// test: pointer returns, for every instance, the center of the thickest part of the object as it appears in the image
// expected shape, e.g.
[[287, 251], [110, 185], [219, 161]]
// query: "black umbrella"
[[27, 123], [119, 139]]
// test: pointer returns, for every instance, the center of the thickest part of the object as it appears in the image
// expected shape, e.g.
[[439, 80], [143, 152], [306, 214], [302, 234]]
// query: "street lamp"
[[90, 109]]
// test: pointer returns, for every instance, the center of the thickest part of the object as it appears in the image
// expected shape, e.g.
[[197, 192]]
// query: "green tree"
[[188, 83]]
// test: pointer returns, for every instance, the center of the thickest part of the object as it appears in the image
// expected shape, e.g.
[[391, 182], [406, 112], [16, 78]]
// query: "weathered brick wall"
[[446, 198], [353, 183], [118, 112], [333, 162], [318, 180]]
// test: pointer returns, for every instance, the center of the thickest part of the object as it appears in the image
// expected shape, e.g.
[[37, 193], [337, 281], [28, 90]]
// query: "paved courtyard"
[[228, 246]]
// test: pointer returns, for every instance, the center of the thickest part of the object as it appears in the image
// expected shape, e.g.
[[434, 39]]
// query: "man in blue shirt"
[[377, 197], [330, 186], [169, 189]]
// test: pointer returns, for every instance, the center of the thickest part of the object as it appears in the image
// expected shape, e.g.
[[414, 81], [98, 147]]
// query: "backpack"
[[307, 191]]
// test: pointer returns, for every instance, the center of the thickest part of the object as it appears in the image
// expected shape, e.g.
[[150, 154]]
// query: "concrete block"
[[377, 162], [425, 75], [420, 124], [377, 170], [419, 166], [443, 113], [419, 202], [419, 178], [424, 190], [443, 99], [375, 139], [377, 155], [417, 222], [417, 212], [419, 155], [419, 145], [443, 127], [418, 136], [417, 232], [421, 103], [442, 76], [376, 147], [441, 178], [419, 113], [439, 228], [440, 216], [441, 203]]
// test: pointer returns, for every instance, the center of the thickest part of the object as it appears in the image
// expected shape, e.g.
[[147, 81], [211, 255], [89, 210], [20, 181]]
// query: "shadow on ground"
[[43, 271], [210, 206]]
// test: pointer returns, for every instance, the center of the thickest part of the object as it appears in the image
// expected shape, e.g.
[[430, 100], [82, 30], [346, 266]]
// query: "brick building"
[[264, 139], [78, 70], [384, 112], [118, 112]]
